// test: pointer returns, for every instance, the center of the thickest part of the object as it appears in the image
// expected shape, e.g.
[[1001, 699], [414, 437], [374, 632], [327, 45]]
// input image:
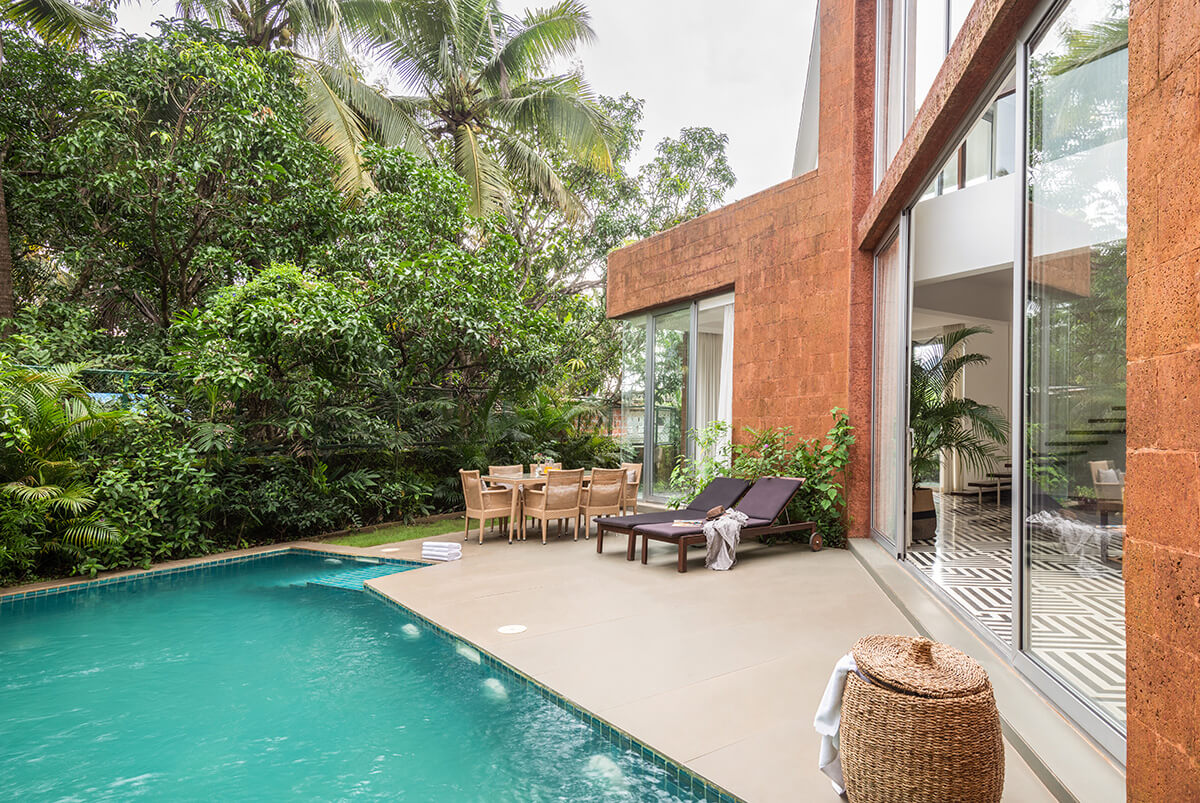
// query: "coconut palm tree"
[[482, 82], [327, 38]]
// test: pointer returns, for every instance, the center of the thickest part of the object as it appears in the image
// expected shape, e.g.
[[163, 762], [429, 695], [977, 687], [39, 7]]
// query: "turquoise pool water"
[[250, 681]]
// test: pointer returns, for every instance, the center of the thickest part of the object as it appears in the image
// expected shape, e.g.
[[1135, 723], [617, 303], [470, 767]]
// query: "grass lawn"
[[401, 532]]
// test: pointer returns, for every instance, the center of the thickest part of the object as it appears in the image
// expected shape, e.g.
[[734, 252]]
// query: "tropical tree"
[[481, 83], [58, 22], [187, 168], [943, 422], [688, 177]]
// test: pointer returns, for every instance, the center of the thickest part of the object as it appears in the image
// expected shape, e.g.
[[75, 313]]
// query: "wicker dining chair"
[[633, 472], [483, 503], [505, 471], [559, 499], [602, 497]]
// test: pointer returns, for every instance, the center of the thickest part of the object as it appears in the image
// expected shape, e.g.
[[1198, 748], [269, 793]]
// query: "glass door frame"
[[903, 444], [1024, 659], [650, 424], [1069, 701]]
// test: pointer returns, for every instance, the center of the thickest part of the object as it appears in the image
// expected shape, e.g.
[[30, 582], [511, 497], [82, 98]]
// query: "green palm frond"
[[563, 105], [394, 120], [538, 40], [73, 500], [486, 184], [215, 11], [337, 126], [57, 21], [86, 532], [30, 493], [524, 162], [943, 422]]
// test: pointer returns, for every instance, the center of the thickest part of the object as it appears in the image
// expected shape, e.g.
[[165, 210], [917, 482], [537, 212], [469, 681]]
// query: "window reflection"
[[1075, 350]]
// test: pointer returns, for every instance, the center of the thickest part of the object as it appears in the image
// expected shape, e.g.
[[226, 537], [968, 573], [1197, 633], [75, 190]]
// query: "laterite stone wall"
[[1162, 552], [786, 253]]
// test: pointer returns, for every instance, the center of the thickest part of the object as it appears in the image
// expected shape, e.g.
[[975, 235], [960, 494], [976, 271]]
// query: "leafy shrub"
[[156, 489], [823, 463], [48, 423]]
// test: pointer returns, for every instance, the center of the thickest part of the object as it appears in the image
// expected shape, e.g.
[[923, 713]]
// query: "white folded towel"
[[828, 722], [441, 550]]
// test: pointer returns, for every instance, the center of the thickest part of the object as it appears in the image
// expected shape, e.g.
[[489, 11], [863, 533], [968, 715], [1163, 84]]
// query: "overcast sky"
[[737, 67]]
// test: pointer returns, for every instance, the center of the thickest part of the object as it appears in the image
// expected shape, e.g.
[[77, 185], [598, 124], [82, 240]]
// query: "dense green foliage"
[[47, 505], [822, 463], [265, 358]]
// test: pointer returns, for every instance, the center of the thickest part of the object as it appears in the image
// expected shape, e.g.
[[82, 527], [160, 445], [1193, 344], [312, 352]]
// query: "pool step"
[[353, 579]]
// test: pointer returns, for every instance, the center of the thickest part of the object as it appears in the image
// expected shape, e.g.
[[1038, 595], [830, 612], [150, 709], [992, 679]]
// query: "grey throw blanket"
[[723, 534]]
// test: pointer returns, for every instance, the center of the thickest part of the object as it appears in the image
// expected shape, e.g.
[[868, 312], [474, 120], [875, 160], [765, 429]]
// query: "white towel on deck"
[[441, 550], [723, 534], [828, 722]]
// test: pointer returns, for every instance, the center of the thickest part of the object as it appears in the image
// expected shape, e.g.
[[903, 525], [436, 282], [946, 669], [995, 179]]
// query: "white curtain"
[[714, 377], [725, 407], [708, 378]]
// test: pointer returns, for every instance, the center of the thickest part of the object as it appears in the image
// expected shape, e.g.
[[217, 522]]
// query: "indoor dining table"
[[519, 482]]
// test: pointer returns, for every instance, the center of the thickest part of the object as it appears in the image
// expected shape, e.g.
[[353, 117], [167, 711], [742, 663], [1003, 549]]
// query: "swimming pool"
[[264, 680]]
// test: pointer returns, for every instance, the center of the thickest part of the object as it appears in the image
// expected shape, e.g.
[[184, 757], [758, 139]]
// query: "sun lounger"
[[721, 492], [765, 502]]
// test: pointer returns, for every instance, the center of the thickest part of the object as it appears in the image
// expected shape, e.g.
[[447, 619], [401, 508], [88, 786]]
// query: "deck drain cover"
[[391, 549], [509, 630]]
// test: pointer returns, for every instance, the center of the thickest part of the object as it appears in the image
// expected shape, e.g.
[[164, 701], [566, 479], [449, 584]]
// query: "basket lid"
[[919, 666]]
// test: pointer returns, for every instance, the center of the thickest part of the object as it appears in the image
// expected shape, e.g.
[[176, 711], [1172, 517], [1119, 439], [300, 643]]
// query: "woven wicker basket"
[[925, 728]]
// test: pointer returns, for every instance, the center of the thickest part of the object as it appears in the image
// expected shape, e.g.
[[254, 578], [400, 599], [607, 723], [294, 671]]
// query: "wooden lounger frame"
[[629, 547], [686, 541]]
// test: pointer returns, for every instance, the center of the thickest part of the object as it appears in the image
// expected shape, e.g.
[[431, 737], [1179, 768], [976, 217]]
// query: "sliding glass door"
[[672, 339], [1075, 352], [1020, 275], [889, 433], [676, 387]]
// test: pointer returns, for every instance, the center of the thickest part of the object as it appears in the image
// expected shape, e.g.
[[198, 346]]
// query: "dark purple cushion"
[[723, 491], [629, 522], [767, 498], [669, 530]]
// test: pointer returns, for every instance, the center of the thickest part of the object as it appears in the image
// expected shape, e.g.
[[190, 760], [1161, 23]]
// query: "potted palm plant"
[[944, 423]]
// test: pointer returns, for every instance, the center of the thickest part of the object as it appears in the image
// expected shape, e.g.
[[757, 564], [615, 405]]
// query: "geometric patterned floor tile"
[[1077, 601]]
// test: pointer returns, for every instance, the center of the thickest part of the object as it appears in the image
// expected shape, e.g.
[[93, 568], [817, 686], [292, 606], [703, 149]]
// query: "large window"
[[676, 379], [889, 477], [1075, 351], [671, 420], [1020, 237], [914, 37]]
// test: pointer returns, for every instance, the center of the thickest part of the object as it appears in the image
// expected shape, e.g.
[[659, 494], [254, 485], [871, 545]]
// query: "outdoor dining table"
[[519, 482]]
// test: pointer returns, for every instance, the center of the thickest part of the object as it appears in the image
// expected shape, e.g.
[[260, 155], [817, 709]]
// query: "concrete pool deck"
[[721, 671]]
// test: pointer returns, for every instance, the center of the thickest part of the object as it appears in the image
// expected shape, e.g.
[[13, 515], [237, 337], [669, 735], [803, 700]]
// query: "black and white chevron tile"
[[1077, 601]]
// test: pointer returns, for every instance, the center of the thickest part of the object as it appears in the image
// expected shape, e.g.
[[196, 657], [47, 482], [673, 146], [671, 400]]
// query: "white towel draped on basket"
[[723, 534], [828, 722]]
